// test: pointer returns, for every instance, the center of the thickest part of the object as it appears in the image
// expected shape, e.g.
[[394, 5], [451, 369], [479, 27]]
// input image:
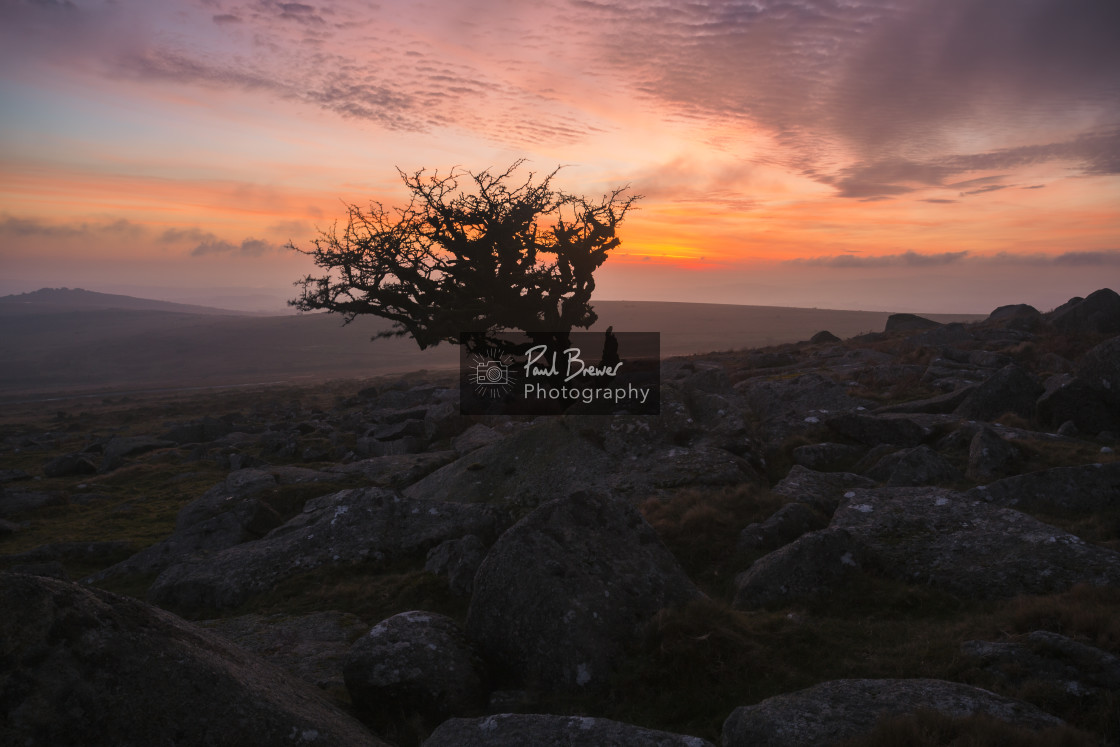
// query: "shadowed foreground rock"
[[80, 666], [520, 730], [833, 712], [561, 592]]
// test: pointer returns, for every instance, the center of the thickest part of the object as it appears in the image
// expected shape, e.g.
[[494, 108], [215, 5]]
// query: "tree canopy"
[[469, 256]]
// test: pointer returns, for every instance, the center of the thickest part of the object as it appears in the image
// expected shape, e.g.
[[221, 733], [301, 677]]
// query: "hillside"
[[59, 342]]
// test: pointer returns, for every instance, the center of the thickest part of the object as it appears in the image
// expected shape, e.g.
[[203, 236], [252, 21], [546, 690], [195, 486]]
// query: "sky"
[[908, 155]]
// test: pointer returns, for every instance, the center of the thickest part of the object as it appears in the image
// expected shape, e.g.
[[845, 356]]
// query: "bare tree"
[[471, 255]]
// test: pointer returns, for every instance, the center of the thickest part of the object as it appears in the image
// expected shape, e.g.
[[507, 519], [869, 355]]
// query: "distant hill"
[[76, 299], [69, 341]]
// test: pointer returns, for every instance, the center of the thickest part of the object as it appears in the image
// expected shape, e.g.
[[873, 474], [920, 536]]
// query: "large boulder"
[[873, 430], [1098, 313], [974, 549], [1011, 389], [412, 672], [542, 462], [782, 527], [540, 730], [1070, 399], [83, 666], [920, 465], [807, 569], [909, 323], [1064, 664], [1100, 370], [990, 456], [822, 490], [1084, 489], [367, 525], [562, 592], [832, 713]]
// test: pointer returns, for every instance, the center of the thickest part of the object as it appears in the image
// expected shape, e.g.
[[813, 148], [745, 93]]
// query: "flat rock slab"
[[368, 524], [83, 666], [539, 730], [968, 547], [833, 712]]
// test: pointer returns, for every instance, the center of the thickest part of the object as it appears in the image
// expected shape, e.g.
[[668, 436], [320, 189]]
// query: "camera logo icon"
[[491, 375]]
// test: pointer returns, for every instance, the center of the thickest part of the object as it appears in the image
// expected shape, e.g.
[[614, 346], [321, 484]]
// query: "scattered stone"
[[396, 471], [413, 671], [83, 666], [832, 713], [805, 570], [974, 549], [539, 730], [563, 591]]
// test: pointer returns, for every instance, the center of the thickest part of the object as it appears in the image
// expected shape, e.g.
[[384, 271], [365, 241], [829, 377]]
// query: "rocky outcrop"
[[942, 538], [370, 525], [563, 591], [833, 712], [872, 430], [83, 666], [518, 730]]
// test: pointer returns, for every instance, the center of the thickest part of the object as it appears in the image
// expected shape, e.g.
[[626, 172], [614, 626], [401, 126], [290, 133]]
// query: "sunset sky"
[[917, 155]]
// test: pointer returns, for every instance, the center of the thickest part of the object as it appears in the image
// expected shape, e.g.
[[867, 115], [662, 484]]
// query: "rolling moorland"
[[901, 531]]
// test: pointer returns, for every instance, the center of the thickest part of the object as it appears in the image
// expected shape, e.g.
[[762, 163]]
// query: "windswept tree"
[[469, 256]]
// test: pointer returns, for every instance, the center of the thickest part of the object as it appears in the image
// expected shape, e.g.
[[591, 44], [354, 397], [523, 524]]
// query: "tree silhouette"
[[461, 265]]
